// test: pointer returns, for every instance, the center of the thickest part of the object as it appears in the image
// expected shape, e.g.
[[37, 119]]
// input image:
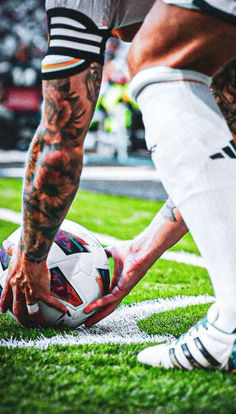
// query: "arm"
[[134, 258], [51, 181], [56, 158]]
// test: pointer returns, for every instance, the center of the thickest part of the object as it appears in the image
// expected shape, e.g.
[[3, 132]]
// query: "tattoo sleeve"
[[56, 157], [224, 89]]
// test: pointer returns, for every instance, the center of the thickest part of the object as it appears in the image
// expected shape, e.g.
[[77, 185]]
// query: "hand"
[[131, 264], [26, 283]]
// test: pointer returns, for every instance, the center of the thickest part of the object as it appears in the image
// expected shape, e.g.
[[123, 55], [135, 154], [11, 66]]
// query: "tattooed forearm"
[[56, 157], [224, 89]]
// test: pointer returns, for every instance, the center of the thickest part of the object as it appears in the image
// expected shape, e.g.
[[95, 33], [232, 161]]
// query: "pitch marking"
[[118, 328]]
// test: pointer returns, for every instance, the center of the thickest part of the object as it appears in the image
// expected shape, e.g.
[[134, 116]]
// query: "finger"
[[38, 320], [114, 282], [33, 309], [19, 307], [117, 274], [36, 316], [6, 298], [108, 251], [100, 303], [97, 317], [53, 303]]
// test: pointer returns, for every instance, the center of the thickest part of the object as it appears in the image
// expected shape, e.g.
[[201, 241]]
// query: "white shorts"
[[223, 9], [78, 30]]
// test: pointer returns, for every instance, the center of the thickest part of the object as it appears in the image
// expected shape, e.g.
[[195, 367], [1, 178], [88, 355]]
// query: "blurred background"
[[116, 132]]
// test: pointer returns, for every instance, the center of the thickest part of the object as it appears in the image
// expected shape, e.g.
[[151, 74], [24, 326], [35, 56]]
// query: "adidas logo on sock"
[[229, 151]]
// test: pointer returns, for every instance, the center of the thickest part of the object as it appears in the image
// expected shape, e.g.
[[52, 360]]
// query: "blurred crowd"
[[117, 126], [23, 41], [22, 31]]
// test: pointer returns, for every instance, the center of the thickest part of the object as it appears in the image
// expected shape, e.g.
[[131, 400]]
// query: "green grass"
[[167, 279], [173, 322], [6, 228], [108, 378], [92, 379], [120, 217]]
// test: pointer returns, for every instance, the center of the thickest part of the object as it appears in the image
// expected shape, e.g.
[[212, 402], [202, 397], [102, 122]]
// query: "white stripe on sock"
[[68, 21], [74, 45], [73, 33]]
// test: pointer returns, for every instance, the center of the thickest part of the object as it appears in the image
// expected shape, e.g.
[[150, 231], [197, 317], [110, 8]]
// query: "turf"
[[92, 379], [6, 228], [120, 217], [173, 322], [107, 378]]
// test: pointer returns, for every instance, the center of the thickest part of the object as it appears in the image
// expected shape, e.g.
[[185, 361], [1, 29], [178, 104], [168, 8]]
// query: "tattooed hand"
[[51, 181], [27, 283]]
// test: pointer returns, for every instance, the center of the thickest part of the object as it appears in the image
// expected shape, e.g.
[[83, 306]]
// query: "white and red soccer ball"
[[79, 273]]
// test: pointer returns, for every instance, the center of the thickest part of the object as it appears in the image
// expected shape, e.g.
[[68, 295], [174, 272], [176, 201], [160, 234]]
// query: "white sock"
[[192, 150]]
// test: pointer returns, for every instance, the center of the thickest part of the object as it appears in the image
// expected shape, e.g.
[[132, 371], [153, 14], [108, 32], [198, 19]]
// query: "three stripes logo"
[[201, 353], [226, 152]]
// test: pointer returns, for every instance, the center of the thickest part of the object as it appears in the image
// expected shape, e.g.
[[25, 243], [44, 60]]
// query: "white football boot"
[[203, 346]]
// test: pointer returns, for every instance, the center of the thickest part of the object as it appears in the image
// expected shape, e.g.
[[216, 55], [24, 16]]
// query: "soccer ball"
[[79, 273]]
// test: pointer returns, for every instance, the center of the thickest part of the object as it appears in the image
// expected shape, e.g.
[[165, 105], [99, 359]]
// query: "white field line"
[[179, 257], [10, 215], [118, 328]]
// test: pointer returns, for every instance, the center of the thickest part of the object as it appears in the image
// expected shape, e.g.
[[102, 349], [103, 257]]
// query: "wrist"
[[28, 258], [31, 257]]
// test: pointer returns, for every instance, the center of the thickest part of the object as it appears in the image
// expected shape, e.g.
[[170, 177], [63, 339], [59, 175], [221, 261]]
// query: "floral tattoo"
[[56, 157]]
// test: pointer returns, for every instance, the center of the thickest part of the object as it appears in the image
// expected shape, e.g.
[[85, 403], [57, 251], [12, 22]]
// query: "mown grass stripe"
[[179, 257]]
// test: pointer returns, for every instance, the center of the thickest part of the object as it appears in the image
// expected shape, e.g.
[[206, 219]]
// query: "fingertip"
[[93, 320], [108, 251], [3, 309], [89, 308], [62, 308], [5, 303], [99, 316], [54, 303], [38, 320]]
